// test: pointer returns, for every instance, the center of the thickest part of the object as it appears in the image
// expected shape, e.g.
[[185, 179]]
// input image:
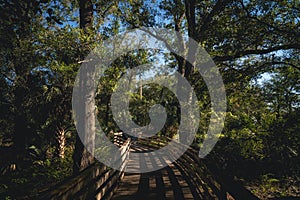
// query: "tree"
[[86, 124], [19, 57], [83, 156], [282, 90]]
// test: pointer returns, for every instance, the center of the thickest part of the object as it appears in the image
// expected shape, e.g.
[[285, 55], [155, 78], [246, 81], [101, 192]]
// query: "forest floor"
[[268, 187]]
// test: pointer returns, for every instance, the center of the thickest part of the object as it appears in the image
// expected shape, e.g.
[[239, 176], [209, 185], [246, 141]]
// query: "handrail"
[[100, 182], [222, 185], [95, 182]]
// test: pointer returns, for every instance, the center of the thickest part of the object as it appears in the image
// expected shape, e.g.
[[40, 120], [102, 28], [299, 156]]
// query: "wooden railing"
[[95, 182], [222, 185], [100, 182], [119, 139]]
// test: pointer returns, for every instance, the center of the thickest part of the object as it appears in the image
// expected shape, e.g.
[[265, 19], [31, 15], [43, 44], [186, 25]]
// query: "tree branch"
[[190, 17], [6, 102], [207, 19], [8, 78], [277, 29], [256, 51], [281, 63]]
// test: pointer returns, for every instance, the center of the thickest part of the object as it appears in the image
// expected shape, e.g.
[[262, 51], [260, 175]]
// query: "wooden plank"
[[94, 181]]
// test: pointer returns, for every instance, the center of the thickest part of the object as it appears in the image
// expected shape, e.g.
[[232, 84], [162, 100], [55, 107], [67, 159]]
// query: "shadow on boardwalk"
[[172, 182]]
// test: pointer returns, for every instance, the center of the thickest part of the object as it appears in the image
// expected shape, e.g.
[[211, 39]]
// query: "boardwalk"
[[171, 182], [186, 178]]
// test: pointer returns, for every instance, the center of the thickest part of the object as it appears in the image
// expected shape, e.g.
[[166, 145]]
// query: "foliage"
[[42, 46]]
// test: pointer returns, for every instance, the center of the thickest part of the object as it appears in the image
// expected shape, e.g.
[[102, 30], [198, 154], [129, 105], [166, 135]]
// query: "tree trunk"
[[141, 89], [186, 68], [61, 142], [83, 156], [22, 131], [86, 14]]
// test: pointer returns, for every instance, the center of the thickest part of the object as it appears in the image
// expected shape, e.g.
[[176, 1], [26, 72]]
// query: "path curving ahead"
[[179, 180], [186, 178]]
